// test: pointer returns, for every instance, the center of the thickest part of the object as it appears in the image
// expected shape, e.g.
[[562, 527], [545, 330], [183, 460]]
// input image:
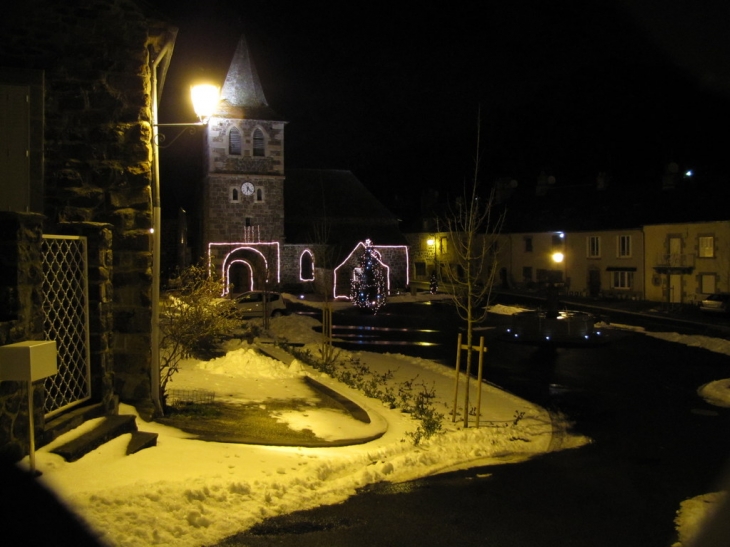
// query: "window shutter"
[[234, 142]]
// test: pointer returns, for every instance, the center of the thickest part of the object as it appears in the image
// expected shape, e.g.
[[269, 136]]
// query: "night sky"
[[396, 94]]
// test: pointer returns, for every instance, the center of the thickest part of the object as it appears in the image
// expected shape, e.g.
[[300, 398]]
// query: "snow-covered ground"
[[187, 492]]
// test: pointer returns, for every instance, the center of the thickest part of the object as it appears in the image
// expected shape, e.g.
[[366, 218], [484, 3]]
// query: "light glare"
[[205, 100]]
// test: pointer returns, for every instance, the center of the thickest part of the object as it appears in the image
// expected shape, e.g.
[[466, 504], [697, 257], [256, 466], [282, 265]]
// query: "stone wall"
[[21, 276], [220, 161], [21, 279], [225, 218], [95, 56]]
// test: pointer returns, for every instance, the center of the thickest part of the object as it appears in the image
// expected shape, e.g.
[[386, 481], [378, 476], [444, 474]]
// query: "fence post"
[[482, 351], [456, 381]]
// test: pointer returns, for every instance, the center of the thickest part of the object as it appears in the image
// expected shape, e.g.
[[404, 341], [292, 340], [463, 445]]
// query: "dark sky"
[[396, 93]]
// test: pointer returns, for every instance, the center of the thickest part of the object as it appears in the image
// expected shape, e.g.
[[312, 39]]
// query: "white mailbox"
[[28, 361]]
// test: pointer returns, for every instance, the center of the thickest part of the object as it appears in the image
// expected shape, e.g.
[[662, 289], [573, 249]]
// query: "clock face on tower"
[[247, 188]]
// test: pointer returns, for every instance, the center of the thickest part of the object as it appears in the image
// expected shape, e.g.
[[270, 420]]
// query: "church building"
[[266, 226]]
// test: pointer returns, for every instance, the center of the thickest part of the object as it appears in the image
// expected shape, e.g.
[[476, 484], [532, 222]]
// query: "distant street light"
[[205, 98], [554, 281]]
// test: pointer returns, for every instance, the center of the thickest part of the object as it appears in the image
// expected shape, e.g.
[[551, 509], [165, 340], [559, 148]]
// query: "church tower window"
[[234, 142], [259, 146]]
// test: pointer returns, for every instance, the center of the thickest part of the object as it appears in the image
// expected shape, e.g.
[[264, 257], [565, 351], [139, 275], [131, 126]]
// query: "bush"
[[193, 322], [359, 376]]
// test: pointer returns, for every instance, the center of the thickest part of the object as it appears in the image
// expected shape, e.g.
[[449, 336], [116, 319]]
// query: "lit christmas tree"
[[367, 289]]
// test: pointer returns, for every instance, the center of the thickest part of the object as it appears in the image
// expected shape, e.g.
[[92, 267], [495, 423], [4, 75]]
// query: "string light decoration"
[[345, 266], [272, 246], [246, 264], [306, 266], [367, 287]]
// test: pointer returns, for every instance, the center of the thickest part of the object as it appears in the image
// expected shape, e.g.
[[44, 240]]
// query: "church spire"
[[242, 86]]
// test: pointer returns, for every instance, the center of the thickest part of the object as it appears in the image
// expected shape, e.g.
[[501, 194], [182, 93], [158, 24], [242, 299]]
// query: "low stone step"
[[110, 428], [141, 440], [69, 420]]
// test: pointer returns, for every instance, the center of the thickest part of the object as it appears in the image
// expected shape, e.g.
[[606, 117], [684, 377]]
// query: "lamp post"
[[205, 99], [431, 243], [554, 282]]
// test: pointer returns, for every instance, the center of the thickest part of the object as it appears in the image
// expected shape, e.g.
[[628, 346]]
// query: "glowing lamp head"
[[430, 242], [558, 257], [205, 100]]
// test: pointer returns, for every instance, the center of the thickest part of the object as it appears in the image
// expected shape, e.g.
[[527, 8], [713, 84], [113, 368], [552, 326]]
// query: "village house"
[[685, 262], [680, 263], [606, 263]]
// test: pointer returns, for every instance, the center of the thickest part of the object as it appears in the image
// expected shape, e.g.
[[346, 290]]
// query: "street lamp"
[[205, 98], [553, 283]]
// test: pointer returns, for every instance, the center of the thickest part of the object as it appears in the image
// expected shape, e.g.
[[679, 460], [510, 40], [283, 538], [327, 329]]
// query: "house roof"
[[337, 201]]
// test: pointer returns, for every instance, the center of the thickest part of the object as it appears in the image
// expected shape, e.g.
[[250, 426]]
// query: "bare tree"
[[473, 226], [324, 286]]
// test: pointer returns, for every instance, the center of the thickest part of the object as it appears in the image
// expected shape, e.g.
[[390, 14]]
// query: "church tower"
[[243, 189]]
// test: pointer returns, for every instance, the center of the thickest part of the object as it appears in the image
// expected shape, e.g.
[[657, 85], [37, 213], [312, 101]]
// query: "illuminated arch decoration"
[[306, 266], [343, 268], [262, 249], [227, 287]]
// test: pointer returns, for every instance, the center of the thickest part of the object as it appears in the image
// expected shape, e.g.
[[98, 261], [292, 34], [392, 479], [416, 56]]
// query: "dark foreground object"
[[32, 515]]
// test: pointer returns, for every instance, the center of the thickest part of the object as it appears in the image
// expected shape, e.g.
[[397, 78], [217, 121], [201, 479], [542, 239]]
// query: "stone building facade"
[[85, 68], [264, 224]]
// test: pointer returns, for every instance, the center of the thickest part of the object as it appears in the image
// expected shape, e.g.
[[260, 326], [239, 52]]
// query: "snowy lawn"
[[187, 492]]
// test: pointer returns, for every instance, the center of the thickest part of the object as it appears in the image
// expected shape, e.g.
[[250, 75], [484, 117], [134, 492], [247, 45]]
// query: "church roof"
[[337, 200], [242, 87]]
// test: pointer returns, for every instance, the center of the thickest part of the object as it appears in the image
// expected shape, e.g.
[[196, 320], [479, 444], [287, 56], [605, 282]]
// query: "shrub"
[[359, 376], [193, 322]]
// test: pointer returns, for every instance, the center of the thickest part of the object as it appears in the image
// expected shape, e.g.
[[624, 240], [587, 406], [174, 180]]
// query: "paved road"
[[656, 444]]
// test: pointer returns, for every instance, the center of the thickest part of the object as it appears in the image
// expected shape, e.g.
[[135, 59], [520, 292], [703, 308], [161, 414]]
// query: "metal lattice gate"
[[66, 320]]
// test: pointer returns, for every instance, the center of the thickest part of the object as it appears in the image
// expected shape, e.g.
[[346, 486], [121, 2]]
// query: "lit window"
[[706, 246], [259, 146]]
